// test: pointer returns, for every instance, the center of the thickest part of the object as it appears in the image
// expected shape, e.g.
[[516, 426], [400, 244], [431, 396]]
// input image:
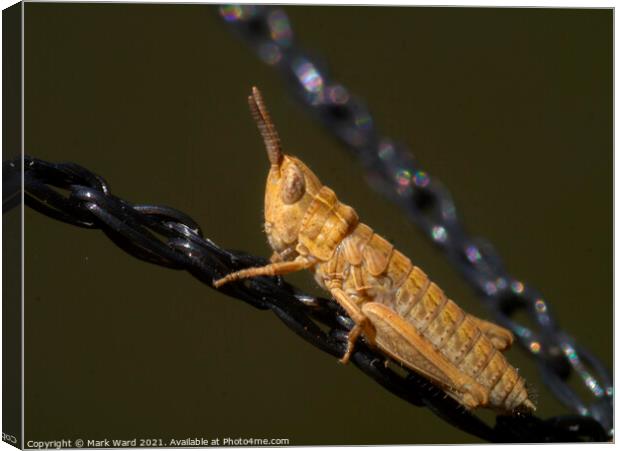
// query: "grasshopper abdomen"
[[370, 270]]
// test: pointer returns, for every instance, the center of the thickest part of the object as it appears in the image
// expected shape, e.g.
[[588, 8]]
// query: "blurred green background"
[[510, 108]]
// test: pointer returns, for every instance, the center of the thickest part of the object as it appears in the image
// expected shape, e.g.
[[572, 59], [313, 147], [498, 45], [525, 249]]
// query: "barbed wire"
[[167, 237], [391, 170]]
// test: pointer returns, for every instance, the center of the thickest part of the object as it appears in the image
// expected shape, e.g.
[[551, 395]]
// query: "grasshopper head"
[[291, 185], [290, 189]]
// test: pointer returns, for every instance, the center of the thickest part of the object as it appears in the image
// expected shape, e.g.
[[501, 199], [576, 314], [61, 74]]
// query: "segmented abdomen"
[[371, 270], [376, 272]]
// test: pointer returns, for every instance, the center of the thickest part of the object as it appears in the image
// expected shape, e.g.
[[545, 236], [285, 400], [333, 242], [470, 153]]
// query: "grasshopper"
[[394, 305]]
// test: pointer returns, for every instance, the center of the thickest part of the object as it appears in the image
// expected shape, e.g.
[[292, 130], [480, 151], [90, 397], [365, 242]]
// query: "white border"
[[479, 3]]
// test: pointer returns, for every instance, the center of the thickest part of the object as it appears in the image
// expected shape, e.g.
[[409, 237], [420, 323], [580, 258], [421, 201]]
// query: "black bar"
[[12, 427]]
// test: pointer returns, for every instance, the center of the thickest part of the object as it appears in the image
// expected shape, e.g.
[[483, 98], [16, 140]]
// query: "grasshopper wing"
[[399, 339]]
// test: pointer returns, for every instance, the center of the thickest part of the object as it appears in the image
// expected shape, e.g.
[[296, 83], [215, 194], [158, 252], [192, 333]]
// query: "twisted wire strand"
[[393, 172], [167, 237]]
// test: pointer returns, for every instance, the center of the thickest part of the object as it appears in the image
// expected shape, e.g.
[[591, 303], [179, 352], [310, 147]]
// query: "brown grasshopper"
[[392, 302]]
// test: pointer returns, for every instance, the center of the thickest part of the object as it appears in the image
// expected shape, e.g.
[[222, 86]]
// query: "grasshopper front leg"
[[272, 269]]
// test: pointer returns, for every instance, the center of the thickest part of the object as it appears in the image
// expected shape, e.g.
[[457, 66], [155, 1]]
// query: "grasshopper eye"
[[294, 185]]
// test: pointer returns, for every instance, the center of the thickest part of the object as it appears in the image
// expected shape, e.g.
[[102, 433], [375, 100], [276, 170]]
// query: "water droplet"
[[386, 150], [570, 352], [540, 306], [523, 332], [593, 385], [490, 288], [280, 27], [308, 75], [234, 13], [421, 179], [403, 177], [517, 287], [473, 254], [439, 234]]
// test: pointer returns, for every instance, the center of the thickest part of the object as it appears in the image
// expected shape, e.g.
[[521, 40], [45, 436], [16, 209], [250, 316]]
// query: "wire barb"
[[167, 237]]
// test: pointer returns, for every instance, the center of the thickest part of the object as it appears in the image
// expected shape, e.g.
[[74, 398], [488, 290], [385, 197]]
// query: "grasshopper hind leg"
[[500, 337], [401, 341], [362, 323]]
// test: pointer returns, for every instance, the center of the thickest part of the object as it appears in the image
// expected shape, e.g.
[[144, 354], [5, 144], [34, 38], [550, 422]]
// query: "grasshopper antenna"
[[265, 126]]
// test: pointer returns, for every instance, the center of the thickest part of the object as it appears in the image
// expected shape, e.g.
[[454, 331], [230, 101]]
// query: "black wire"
[[168, 237]]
